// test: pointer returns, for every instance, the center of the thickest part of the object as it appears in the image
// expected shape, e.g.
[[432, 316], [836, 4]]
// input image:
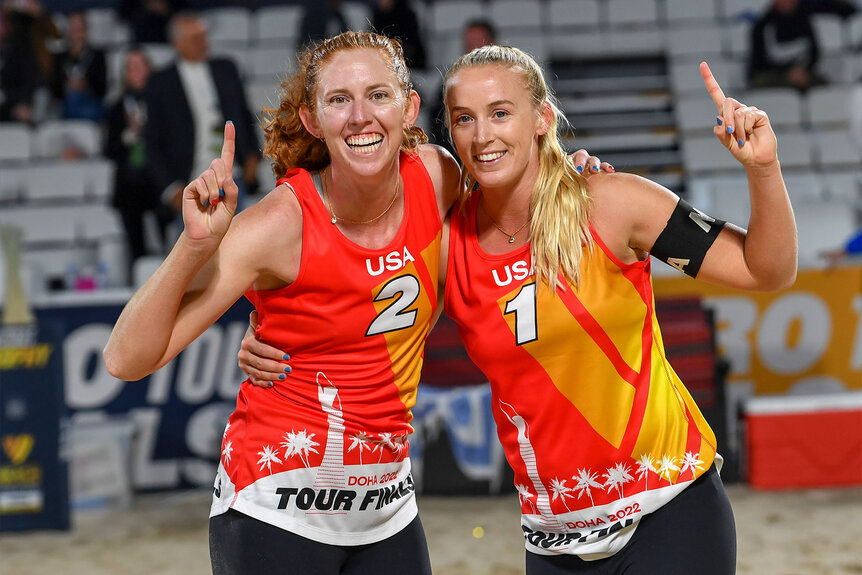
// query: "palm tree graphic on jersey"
[[617, 476], [547, 520]]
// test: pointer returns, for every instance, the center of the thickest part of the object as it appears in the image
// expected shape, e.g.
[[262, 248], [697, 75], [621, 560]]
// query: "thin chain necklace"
[[335, 219], [512, 235]]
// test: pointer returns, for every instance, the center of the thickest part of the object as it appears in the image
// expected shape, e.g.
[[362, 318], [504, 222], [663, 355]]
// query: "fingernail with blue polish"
[[221, 192], [285, 357], [269, 384], [718, 120], [595, 168], [741, 142], [730, 129], [281, 376], [230, 121], [580, 169], [206, 203], [288, 369]]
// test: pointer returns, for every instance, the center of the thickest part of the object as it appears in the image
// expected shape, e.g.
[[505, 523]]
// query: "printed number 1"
[[523, 306]]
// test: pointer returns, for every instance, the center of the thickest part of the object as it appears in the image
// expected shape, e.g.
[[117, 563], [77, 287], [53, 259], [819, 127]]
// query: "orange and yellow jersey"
[[325, 454], [597, 427]]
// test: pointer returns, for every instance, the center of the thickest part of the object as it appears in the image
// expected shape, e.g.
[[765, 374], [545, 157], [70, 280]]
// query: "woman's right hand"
[[262, 363], [209, 201]]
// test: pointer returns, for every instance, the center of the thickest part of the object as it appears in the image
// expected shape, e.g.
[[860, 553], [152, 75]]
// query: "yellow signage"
[[17, 447], [808, 337]]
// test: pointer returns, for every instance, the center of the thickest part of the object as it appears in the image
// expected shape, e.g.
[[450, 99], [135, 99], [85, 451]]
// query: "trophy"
[[16, 310]]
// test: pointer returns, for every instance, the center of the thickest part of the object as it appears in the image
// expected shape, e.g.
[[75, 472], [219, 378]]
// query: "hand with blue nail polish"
[[582, 159], [749, 138], [209, 201], [260, 361]]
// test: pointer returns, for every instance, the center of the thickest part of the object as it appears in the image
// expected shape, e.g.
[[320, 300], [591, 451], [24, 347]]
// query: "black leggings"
[[242, 545], [694, 532]]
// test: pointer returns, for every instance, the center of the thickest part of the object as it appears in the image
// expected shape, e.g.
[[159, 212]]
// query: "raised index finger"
[[228, 147], [712, 86]]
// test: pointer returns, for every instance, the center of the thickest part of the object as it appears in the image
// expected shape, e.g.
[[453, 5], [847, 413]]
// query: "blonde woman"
[[548, 279]]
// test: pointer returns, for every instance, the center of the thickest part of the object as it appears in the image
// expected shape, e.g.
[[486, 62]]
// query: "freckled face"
[[361, 111], [495, 126]]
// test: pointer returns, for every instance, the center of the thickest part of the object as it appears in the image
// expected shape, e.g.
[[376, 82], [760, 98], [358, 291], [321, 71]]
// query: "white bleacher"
[[830, 32], [12, 182], [737, 39], [695, 114], [54, 138], [54, 182], [41, 225], [679, 12], [357, 15], [634, 41], [573, 14], [632, 13], [16, 142], [581, 44], [95, 222], [274, 24], [450, 16], [821, 226], [228, 25], [270, 63], [518, 14], [795, 149], [159, 55], [829, 106], [685, 77], [701, 42], [735, 9], [782, 105], [531, 43], [835, 148]]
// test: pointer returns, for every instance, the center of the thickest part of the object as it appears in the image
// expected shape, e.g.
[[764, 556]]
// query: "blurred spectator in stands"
[[135, 194], [784, 46], [396, 19], [80, 74], [26, 63], [187, 105], [851, 249], [149, 18], [476, 33], [321, 19]]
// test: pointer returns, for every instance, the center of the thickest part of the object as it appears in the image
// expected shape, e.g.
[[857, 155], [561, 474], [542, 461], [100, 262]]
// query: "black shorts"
[[242, 545], [693, 533]]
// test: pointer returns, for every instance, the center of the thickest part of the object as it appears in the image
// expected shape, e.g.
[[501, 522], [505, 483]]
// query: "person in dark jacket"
[[187, 106], [80, 74]]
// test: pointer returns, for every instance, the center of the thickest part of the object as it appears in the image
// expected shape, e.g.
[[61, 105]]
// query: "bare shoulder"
[[444, 171], [266, 238], [629, 210]]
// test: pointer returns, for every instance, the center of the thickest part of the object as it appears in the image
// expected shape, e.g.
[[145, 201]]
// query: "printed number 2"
[[523, 306], [393, 317]]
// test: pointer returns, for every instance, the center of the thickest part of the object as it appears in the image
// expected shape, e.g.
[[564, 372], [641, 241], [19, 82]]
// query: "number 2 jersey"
[[324, 453], [597, 427]]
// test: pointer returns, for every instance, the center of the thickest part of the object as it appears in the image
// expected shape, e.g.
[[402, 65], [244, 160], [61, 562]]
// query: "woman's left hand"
[[587, 165], [744, 130]]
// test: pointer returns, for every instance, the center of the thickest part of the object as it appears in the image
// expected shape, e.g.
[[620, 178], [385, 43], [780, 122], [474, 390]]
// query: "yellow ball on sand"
[[478, 532]]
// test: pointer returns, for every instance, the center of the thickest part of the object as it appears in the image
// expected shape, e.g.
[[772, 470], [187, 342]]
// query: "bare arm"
[[208, 269], [633, 211]]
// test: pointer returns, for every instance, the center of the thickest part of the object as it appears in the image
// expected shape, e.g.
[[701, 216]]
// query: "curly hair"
[[288, 143]]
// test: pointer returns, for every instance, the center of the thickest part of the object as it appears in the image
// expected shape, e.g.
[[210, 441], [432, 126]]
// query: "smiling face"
[[495, 126], [360, 110]]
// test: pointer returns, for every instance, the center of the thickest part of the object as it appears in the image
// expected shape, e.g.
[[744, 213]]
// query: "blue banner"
[[34, 490]]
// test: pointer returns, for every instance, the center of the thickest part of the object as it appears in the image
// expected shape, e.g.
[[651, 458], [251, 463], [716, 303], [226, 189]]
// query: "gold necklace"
[[511, 236], [335, 219]]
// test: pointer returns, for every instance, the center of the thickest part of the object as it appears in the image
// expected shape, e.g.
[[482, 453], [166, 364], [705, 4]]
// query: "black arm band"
[[686, 238]]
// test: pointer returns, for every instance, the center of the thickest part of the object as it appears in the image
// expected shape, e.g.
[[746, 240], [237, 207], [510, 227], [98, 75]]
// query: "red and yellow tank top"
[[597, 427], [324, 454]]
